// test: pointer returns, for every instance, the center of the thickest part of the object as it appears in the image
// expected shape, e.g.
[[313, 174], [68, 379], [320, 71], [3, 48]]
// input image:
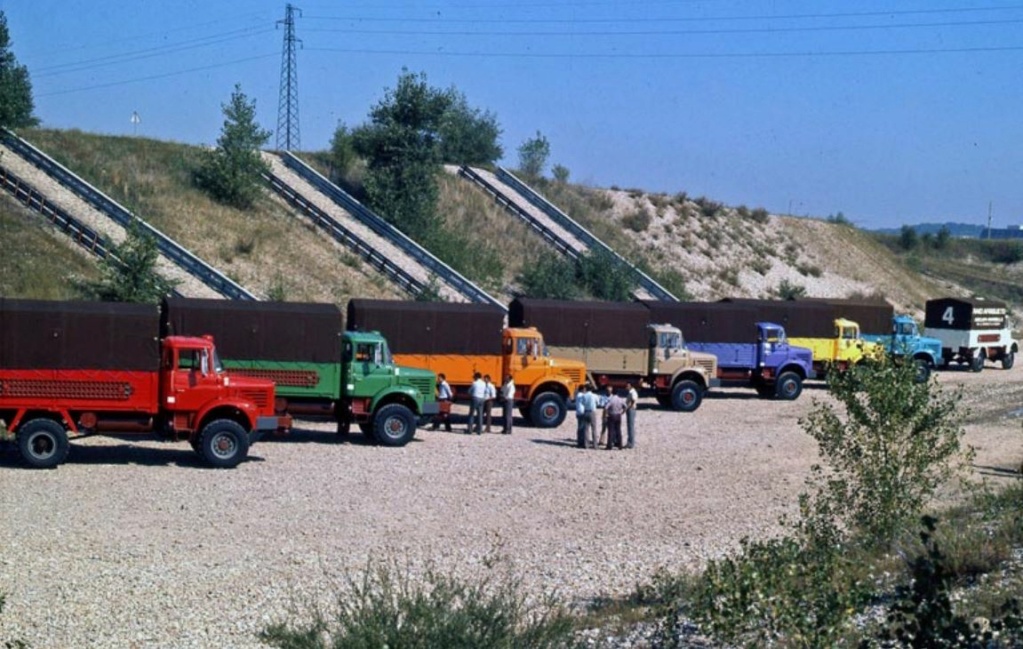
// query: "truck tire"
[[788, 387], [548, 410], [686, 396], [923, 371], [394, 425], [224, 444], [977, 363], [1008, 360], [43, 443]]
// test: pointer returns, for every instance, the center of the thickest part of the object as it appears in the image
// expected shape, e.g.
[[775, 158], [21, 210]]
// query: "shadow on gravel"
[[174, 454], [998, 471], [563, 443]]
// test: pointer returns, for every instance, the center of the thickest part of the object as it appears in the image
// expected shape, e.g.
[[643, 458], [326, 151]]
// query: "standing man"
[[602, 398], [488, 400], [613, 412], [631, 401], [444, 398], [508, 401], [477, 396], [581, 416]]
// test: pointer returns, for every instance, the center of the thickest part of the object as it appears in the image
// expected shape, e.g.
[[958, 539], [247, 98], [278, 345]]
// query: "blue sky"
[[889, 112]]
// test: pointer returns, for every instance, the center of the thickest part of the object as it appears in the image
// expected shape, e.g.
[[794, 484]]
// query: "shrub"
[[760, 215], [908, 238], [549, 276], [606, 276], [560, 173], [887, 450], [708, 207], [129, 272], [786, 290], [809, 269], [533, 155], [638, 220], [387, 608]]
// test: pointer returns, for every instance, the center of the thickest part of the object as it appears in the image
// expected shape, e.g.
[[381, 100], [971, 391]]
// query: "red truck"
[[72, 369]]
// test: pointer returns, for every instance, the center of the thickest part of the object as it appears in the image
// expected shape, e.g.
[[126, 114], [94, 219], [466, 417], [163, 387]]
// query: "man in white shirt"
[[444, 399], [508, 401], [477, 396], [631, 401], [488, 401]]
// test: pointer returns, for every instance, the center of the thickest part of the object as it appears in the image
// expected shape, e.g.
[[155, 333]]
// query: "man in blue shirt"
[[585, 412]]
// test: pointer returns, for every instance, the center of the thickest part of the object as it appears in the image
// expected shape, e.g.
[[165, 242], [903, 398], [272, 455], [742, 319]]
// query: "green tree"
[[606, 276], [16, 104], [232, 173], [342, 150], [468, 136], [942, 238], [908, 238], [401, 147], [549, 277], [129, 272], [560, 173], [533, 155]]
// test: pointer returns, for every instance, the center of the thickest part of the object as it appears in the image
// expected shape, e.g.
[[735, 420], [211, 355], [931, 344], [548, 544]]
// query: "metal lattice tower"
[[287, 105]]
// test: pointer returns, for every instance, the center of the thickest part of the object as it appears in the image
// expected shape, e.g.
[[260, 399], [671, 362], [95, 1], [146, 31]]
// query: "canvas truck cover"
[[44, 335], [567, 323], [270, 331], [431, 327], [964, 314], [873, 316], [800, 319], [707, 322]]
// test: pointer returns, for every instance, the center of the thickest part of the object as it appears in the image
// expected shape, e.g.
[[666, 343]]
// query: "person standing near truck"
[[613, 412], [444, 398], [602, 399], [508, 401], [631, 401], [488, 400], [585, 411], [477, 395]]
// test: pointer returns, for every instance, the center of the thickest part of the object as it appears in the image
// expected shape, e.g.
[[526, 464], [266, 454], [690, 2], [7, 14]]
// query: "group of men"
[[482, 394], [614, 407]]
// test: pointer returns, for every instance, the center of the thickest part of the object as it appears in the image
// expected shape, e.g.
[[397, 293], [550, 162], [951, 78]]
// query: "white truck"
[[971, 331]]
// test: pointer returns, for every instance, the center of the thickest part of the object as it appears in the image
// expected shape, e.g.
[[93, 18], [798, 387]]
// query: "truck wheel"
[[394, 425], [224, 444], [547, 410], [789, 386], [923, 371], [686, 396], [43, 443], [977, 364], [1008, 361]]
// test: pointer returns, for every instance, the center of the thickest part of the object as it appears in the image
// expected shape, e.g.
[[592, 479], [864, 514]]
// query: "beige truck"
[[620, 345]]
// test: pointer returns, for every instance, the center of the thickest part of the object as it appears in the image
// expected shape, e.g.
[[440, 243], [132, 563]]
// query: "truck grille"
[[708, 366], [423, 385], [257, 397], [575, 376]]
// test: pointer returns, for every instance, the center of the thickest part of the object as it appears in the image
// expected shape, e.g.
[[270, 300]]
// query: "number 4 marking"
[[947, 316]]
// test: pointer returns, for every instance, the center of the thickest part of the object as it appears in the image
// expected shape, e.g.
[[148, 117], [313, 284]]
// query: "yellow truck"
[[839, 351]]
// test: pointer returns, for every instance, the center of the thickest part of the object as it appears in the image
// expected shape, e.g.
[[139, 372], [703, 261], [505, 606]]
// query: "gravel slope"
[[136, 544]]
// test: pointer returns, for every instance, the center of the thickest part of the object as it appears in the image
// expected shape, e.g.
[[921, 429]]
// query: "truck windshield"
[[385, 354], [218, 367], [530, 347], [671, 341], [905, 328], [849, 333]]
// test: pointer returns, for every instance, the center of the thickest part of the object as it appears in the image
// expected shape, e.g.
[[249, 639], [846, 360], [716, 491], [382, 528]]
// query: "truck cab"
[[195, 389], [782, 367], [543, 384], [680, 377], [381, 397]]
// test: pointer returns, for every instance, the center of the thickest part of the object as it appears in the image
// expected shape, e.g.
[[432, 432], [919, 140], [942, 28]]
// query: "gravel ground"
[[137, 544]]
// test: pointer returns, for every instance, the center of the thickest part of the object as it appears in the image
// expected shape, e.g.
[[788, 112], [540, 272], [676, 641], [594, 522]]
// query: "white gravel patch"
[[137, 544]]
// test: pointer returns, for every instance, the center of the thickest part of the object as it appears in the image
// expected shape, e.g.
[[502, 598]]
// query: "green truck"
[[321, 371]]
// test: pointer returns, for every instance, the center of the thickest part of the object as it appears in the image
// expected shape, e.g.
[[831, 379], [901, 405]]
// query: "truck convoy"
[[85, 368], [458, 340], [749, 352], [971, 331], [820, 326], [619, 344], [320, 369]]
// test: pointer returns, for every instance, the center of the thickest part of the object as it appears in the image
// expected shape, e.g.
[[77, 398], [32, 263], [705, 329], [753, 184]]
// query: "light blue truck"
[[905, 341]]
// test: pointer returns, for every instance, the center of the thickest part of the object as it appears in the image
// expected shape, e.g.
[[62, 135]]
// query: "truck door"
[[194, 380]]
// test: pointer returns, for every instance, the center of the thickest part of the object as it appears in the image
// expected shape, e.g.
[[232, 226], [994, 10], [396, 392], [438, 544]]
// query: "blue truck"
[[904, 341], [750, 353]]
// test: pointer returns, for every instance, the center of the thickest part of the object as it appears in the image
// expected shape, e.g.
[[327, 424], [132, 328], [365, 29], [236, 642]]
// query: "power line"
[[156, 76], [672, 32]]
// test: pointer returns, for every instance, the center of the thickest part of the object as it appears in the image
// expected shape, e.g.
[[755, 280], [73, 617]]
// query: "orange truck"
[[458, 340]]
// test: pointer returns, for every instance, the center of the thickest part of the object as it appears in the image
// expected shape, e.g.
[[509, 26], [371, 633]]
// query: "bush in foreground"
[[389, 608]]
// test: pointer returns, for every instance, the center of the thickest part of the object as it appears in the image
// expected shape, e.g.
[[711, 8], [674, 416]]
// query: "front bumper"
[[431, 408], [276, 422]]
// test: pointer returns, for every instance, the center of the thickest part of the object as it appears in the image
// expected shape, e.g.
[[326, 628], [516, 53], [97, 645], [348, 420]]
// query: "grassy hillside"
[[698, 248], [267, 249], [35, 260]]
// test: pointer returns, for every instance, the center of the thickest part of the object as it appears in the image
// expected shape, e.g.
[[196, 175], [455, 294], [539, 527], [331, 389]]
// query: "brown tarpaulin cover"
[[707, 322], [431, 327], [567, 323], [873, 316], [272, 331], [800, 319], [38, 335]]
